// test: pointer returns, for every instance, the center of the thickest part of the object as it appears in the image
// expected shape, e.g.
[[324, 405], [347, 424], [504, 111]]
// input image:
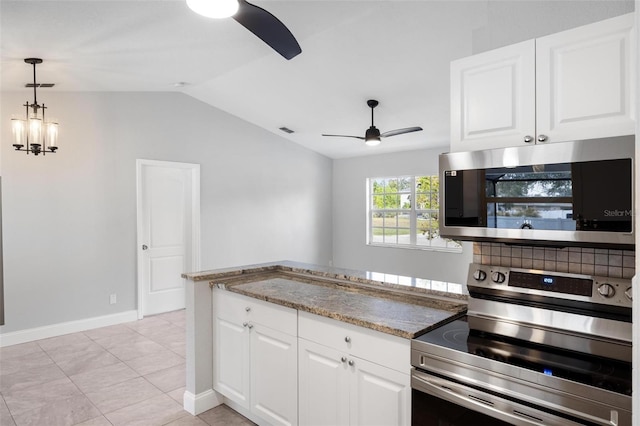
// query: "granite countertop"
[[402, 306]]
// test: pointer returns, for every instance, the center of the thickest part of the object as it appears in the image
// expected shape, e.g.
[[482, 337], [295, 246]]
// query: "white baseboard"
[[31, 334], [197, 404]]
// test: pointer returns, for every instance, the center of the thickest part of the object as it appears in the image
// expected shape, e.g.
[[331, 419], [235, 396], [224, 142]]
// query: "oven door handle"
[[483, 402]]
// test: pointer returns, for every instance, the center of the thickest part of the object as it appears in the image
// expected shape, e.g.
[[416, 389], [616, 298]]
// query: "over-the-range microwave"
[[577, 193]]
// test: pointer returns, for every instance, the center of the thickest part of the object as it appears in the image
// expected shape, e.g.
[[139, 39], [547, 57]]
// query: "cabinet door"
[[274, 375], [323, 385], [231, 360], [493, 98], [379, 395], [585, 81]]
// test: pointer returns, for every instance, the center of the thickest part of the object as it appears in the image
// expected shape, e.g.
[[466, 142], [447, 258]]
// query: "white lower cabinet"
[[323, 385], [279, 366], [231, 366], [338, 387], [274, 376], [255, 356], [379, 395]]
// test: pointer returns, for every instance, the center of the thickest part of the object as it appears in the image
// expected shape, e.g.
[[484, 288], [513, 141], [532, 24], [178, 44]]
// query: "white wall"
[[510, 22], [70, 218], [349, 220]]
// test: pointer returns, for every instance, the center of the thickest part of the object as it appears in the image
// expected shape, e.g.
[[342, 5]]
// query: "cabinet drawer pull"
[[343, 359], [542, 138], [351, 362], [528, 139], [347, 339]]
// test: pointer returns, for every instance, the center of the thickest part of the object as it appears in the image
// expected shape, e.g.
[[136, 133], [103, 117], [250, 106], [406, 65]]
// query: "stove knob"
[[498, 277], [606, 290], [479, 275], [628, 293]]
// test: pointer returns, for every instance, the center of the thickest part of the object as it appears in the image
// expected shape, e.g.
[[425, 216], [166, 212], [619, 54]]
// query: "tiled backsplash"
[[588, 261]]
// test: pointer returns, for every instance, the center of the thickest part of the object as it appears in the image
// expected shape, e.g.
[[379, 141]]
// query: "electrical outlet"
[[112, 299]]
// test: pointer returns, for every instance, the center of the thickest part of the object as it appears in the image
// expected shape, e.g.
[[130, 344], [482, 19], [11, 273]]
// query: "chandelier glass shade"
[[33, 134]]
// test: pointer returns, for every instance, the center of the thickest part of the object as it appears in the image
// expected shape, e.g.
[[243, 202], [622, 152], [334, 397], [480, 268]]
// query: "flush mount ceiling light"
[[214, 8], [34, 134], [257, 20]]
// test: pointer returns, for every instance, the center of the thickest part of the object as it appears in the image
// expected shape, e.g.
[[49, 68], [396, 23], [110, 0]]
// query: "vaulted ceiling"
[[397, 52]]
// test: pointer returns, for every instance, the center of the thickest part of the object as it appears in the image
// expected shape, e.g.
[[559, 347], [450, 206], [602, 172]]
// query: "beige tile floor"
[[126, 374]]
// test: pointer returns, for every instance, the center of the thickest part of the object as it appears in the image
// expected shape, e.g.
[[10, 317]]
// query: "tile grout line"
[[93, 340]]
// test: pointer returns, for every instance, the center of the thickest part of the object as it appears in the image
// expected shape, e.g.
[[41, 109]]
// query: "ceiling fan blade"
[[268, 28], [400, 131], [345, 136]]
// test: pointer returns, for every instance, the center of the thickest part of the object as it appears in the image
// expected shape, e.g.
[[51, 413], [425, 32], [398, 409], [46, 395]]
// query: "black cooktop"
[[604, 373]]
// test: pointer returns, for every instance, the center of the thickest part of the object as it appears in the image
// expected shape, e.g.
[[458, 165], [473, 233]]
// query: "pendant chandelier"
[[33, 134]]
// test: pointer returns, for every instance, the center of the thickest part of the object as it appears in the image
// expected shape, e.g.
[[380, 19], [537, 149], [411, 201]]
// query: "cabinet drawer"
[[381, 348], [241, 308]]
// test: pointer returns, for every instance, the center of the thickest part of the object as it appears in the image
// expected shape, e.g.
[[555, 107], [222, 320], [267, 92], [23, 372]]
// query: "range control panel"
[[601, 290]]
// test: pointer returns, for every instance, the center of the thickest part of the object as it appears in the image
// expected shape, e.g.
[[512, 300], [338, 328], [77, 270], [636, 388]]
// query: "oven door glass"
[[428, 410], [439, 401]]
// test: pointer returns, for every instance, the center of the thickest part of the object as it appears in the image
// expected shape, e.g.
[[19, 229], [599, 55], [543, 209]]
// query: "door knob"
[[144, 247]]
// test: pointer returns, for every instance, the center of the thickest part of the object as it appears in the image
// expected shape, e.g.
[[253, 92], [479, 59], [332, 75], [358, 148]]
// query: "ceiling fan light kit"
[[34, 134], [214, 8], [260, 22], [372, 136]]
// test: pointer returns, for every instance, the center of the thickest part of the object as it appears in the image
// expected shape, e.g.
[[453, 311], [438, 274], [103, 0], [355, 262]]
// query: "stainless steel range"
[[535, 348]]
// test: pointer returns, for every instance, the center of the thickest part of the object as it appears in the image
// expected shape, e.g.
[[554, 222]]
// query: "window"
[[403, 211]]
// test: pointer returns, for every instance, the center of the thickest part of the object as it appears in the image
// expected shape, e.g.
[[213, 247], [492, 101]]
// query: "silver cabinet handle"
[[351, 362], [248, 308], [347, 339], [542, 138], [144, 247], [528, 139], [343, 359]]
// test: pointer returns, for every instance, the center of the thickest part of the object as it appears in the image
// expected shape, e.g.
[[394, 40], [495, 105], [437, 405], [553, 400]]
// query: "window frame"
[[413, 213]]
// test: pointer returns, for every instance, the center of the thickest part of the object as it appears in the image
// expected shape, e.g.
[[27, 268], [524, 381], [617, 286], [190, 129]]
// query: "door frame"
[[195, 218]]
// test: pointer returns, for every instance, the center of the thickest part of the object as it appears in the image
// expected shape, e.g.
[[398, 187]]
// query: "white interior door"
[[168, 229]]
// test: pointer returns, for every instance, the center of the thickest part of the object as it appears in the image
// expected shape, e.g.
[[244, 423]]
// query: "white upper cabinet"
[[492, 98], [577, 84], [585, 81]]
